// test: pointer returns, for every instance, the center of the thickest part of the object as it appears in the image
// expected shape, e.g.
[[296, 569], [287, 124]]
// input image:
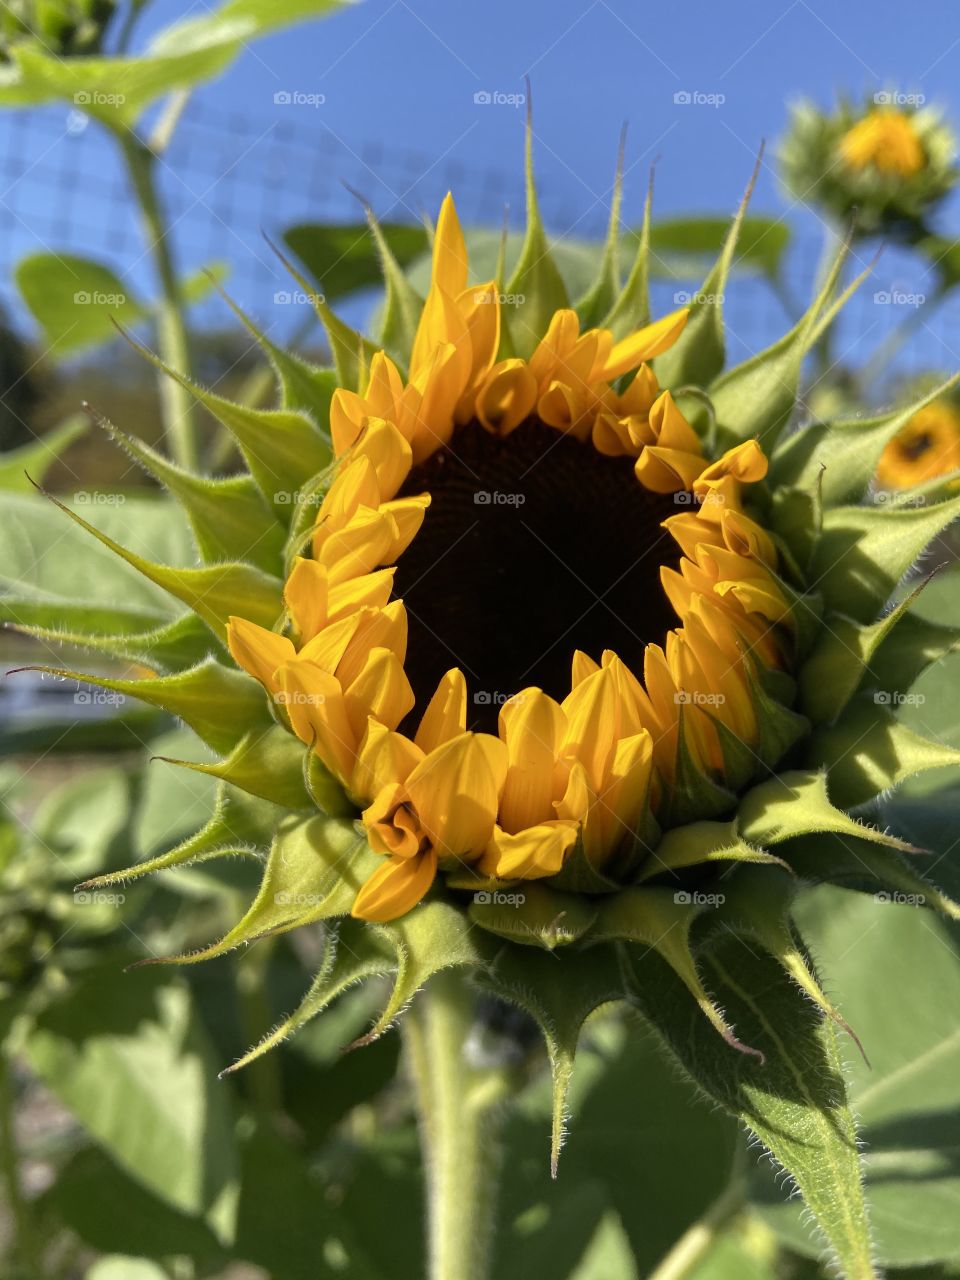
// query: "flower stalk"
[[460, 1113]]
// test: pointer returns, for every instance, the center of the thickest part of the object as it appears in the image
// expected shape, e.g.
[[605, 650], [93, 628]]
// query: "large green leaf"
[[128, 1058], [795, 1101], [75, 300], [683, 248], [116, 90], [896, 972]]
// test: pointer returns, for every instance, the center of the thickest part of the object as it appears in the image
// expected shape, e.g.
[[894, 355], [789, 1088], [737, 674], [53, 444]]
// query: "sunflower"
[[527, 581], [926, 448], [537, 644], [886, 163]]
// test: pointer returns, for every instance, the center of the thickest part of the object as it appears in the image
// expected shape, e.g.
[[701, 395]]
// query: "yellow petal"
[[591, 713], [506, 397], [258, 651], [380, 689], [384, 757], [388, 453], [305, 595], [446, 713], [644, 344], [329, 645], [313, 700], [531, 725], [529, 854], [395, 888], [456, 789], [409, 515]]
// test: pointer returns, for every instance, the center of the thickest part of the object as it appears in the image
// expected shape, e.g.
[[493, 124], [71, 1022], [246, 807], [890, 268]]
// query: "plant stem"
[[26, 1245], [178, 405], [702, 1235], [460, 1109]]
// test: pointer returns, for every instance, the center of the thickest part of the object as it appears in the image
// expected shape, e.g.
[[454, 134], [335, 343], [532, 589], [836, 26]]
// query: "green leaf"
[[679, 244], [344, 257], [119, 1267], [128, 1058], [631, 310], [605, 289], [75, 301], [908, 1099], [868, 751], [795, 1102], [863, 552], [36, 459], [185, 642], [797, 804], [117, 90]]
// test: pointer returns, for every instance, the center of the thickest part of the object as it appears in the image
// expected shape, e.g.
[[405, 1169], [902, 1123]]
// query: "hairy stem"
[[179, 413], [699, 1238], [460, 1109]]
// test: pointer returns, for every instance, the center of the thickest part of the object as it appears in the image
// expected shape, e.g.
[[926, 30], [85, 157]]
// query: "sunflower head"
[[927, 448], [888, 161], [565, 654]]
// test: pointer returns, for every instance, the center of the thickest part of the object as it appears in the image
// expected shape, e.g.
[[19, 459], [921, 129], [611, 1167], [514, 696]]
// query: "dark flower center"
[[532, 547]]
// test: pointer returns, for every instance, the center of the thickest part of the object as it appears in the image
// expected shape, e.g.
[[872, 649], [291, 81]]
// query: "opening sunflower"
[[532, 601]]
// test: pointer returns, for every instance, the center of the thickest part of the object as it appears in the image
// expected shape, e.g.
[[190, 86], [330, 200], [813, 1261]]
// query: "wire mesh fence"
[[228, 179]]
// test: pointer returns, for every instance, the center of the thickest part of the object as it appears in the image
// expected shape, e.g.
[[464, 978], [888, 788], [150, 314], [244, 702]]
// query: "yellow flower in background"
[[575, 586], [886, 139], [928, 447]]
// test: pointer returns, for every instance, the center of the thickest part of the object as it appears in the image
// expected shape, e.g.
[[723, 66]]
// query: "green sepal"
[[757, 906], [283, 448], [699, 353], [660, 919], [844, 453], [228, 516], [779, 727], [235, 829], [702, 843], [324, 789], [693, 794], [35, 459], [631, 310], [602, 294], [353, 953], [795, 1102], [559, 990], [304, 387], [213, 592], [351, 352], [535, 277], [184, 642], [863, 552], [756, 398], [304, 518], [579, 875], [906, 653], [796, 518], [266, 762], [739, 758], [533, 914], [402, 305], [854, 862], [219, 703], [868, 751], [314, 871], [797, 804], [843, 658]]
